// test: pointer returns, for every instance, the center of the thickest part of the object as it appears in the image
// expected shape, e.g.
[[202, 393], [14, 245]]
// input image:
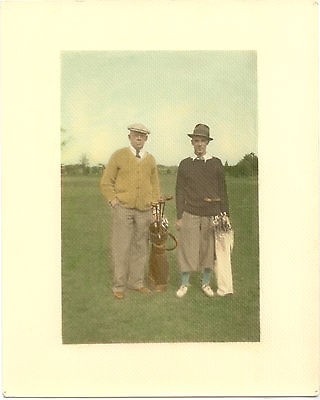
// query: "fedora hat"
[[202, 131], [139, 128]]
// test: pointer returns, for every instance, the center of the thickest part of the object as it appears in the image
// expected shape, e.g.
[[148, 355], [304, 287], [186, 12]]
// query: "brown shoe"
[[118, 295], [160, 288], [143, 290]]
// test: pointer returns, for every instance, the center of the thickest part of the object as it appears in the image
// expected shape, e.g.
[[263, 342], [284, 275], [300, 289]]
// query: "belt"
[[211, 199]]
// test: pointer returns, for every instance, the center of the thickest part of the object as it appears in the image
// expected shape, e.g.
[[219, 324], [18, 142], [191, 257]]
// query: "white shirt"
[[205, 157], [142, 152]]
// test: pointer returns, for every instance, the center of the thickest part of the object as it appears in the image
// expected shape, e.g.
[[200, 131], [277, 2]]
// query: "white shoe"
[[182, 291], [207, 290]]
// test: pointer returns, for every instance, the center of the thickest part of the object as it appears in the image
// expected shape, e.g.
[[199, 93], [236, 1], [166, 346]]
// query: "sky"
[[102, 92]]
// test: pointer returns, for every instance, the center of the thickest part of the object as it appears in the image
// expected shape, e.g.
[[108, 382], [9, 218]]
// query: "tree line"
[[247, 166]]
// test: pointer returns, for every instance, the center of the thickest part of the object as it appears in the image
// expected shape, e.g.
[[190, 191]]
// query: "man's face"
[[137, 139], [199, 145]]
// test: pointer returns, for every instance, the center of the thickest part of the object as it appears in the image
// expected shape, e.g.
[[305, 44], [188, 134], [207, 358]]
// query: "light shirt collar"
[[205, 157], [142, 152]]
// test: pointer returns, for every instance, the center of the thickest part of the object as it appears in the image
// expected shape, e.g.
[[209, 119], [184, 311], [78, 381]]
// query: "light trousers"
[[201, 248], [129, 244], [196, 247]]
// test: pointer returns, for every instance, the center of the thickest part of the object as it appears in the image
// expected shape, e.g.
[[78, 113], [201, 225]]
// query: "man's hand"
[[114, 202], [178, 224]]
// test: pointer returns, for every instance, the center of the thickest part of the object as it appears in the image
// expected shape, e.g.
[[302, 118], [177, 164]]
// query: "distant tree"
[[84, 161], [97, 169], [101, 168], [248, 166], [74, 169]]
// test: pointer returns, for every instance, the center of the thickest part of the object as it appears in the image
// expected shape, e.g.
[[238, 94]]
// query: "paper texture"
[[286, 361]]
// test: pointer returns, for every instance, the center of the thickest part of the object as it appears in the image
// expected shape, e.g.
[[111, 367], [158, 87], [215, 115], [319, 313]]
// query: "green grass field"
[[90, 314]]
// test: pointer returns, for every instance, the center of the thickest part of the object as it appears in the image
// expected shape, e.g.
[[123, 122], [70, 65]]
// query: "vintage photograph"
[[159, 197], [160, 187]]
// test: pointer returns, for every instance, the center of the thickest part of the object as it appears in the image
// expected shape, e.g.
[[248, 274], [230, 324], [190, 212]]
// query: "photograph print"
[[159, 197]]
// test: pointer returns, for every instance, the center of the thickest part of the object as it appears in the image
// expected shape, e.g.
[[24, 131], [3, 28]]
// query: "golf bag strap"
[[160, 246]]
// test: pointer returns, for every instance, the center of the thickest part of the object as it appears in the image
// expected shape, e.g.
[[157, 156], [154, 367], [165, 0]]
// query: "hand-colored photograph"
[[159, 197]]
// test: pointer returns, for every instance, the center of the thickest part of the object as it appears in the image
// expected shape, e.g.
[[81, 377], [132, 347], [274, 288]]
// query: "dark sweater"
[[199, 180]]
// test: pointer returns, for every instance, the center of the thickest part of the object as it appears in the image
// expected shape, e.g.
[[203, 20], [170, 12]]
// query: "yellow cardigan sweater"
[[134, 182]]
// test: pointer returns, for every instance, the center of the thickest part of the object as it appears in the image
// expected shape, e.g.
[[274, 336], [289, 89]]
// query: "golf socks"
[[206, 276], [185, 278]]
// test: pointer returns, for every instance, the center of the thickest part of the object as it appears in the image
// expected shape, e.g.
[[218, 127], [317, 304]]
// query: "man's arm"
[[108, 179], [180, 194], [223, 189]]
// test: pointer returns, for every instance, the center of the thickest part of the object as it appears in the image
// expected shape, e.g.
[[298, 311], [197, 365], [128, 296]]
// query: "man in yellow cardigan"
[[130, 183]]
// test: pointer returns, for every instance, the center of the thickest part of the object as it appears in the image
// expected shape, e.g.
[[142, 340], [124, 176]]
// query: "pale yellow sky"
[[170, 92]]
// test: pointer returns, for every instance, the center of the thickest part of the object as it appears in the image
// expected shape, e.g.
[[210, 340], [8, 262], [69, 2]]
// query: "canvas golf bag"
[[159, 236], [224, 240]]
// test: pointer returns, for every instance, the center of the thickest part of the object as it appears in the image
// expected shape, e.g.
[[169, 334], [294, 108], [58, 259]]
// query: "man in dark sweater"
[[201, 195]]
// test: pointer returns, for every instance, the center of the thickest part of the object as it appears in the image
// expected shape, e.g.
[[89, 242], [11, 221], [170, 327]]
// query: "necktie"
[[137, 154], [200, 158]]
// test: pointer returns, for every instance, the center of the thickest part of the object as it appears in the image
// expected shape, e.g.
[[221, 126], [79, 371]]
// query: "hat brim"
[[139, 131], [202, 136]]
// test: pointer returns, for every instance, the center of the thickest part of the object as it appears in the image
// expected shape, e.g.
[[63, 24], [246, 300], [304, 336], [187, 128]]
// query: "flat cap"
[[139, 128]]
